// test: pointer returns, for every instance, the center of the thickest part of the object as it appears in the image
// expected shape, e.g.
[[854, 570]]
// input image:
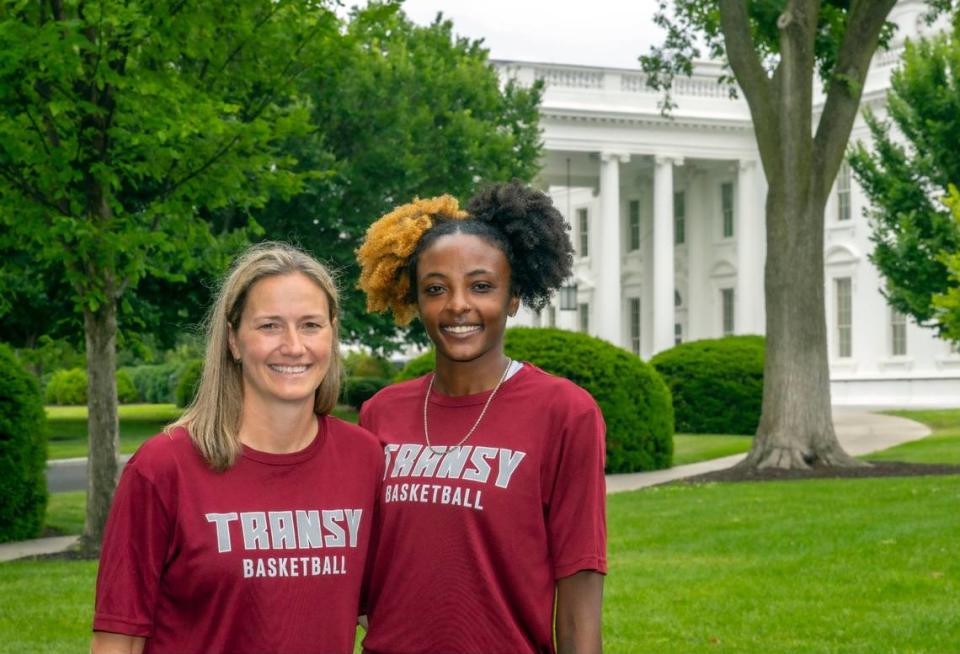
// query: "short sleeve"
[[576, 505], [132, 558]]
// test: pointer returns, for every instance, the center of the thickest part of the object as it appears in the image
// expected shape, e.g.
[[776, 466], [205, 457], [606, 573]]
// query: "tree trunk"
[[100, 328], [796, 425]]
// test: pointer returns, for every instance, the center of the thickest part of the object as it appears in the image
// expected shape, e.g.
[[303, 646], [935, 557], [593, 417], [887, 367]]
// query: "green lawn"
[[690, 448], [837, 566], [942, 446], [67, 426], [710, 568]]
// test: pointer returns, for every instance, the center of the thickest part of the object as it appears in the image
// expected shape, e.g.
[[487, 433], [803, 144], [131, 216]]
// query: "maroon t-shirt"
[[473, 539], [268, 556]]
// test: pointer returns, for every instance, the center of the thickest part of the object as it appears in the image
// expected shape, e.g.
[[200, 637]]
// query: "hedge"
[[361, 364], [357, 390], [188, 382], [23, 451], [634, 400], [717, 384], [155, 383], [69, 387]]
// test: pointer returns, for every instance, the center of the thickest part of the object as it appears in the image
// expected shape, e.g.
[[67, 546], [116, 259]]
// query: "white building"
[[668, 226]]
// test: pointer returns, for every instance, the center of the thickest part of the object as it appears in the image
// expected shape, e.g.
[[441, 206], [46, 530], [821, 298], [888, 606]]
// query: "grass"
[[66, 512], [834, 566], [67, 426], [840, 566], [942, 446], [691, 448]]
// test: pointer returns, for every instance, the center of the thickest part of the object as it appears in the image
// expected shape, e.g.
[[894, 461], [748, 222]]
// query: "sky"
[[588, 32]]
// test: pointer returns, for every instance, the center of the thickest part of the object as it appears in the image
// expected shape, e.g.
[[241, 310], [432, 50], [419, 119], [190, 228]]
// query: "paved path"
[[859, 431]]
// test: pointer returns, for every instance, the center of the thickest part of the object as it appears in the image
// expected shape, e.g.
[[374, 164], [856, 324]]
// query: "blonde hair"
[[213, 418], [389, 243]]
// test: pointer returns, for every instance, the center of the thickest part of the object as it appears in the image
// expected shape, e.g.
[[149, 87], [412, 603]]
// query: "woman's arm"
[[579, 602], [105, 642]]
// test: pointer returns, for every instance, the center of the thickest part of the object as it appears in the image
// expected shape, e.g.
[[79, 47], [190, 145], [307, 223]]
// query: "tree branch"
[[865, 20], [13, 176], [752, 78]]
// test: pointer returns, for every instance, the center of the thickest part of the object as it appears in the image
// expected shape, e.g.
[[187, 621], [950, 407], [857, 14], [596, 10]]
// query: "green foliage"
[[23, 455], [417, 366], [188, 381], [694, 32], [401, 111], [67, 387], [194, 107], [946, 302], [361, 364], [634, 400], [357, 390], [126, 391], [155, 383], [716, 384], [913, 161]]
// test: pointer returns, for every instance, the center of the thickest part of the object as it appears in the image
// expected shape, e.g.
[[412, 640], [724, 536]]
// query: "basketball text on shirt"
[[478, 464], [290, 530]]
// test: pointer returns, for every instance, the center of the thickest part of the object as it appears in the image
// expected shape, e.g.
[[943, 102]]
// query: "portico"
[[667, 219]]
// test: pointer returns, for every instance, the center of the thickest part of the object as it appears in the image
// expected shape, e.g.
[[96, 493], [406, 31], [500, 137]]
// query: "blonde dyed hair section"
[[213, 418], [387, 247]]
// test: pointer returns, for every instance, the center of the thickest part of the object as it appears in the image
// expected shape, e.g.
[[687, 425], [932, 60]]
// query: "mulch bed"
[[875, 469]]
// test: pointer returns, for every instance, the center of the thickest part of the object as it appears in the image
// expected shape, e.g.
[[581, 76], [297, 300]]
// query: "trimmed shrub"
[[717, 384], [155, 384], [188, 381], [361, 364], [23, 451], [126, 391], [67, 387], [70, 387], [634, 400], [417, 366], [357, 390]]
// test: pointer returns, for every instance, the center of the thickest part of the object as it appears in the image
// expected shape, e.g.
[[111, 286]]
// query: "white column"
[[606, 254], [749, 235], [663, 277], [698, 244]]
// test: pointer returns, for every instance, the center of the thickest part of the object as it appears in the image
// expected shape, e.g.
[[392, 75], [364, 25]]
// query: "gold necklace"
[[426, 402]]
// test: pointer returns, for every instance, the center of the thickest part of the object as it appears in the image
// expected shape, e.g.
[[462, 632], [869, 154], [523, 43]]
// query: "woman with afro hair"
[[491, 533]]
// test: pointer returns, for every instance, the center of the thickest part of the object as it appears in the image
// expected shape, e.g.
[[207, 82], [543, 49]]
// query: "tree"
[[947, 301], [123, 125], [908, 171], [775, 48], [400, 111]]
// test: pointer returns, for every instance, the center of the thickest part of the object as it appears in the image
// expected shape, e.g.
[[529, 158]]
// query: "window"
[[635, 325], [583, 232], [726, 297], [584, 318], [551, 316], [843, 192], [844, 317], [679, 218], [898, 333], [633, 240], [726, 204], [677, 333]]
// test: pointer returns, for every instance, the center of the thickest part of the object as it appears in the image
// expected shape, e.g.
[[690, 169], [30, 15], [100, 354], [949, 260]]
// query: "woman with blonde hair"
[[244, 526]]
